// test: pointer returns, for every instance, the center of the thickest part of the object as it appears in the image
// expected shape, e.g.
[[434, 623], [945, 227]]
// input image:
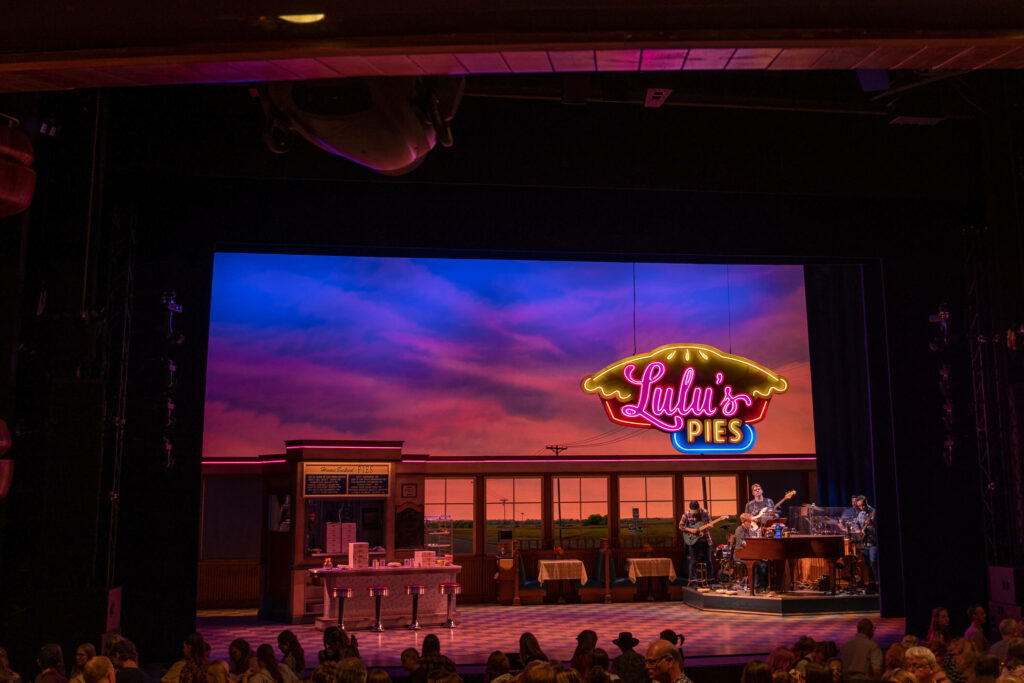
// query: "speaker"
[[1006, 585]]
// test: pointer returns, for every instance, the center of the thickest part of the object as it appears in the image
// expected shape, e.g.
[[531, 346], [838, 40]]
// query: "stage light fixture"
[[301, 18]]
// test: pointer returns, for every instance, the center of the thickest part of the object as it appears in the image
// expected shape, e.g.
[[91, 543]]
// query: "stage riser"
[[781, 606]]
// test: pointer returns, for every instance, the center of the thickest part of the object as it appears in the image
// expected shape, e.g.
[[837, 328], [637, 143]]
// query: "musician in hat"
[[630, 664]]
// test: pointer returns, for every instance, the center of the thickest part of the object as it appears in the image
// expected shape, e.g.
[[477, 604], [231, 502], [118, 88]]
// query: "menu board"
[[345, 480]]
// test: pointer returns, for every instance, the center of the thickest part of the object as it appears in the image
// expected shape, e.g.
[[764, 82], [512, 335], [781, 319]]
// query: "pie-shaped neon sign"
[[706, 399]]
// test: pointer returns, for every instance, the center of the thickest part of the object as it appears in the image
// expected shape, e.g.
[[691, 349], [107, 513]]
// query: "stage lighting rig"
[[387, 124]]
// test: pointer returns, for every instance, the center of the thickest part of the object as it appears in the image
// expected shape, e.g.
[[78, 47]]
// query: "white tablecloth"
[[561, 570]]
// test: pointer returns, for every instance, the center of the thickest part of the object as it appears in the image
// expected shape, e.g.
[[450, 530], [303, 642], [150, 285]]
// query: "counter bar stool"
[[377, 592], [451, 590], [415, 590], [340, 594]]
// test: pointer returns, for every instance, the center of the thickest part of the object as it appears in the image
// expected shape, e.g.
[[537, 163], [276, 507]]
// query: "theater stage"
[[710, 636]]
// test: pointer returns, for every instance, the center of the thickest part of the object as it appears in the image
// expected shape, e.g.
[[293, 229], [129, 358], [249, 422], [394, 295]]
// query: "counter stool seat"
[[341, 594], [377, 592], [415, 590], [451, 590]]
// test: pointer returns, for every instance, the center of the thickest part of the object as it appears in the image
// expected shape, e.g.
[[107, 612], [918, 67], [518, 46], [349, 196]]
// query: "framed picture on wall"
[[408, 490]]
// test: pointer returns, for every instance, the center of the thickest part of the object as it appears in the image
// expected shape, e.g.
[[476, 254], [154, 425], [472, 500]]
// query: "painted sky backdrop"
[[468, 357]]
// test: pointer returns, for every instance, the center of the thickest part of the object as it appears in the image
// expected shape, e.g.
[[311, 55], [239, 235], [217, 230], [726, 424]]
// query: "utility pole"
[[504, 519], [557, 450]]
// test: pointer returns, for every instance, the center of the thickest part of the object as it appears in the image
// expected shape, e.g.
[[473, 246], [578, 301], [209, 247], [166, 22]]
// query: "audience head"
[[599, 657], [817, 673], [1015, 653], [671, 636], [940, 621], [626, 641], [529, 648], [804, 645], [324, 673], [410, 659], [239, 654], [109, 638], [539, 672], [569, 675], [780, 659], [497, 665], [83, 653], [909, 640], [920, 661], [976, 613], [378, 676], [586, 640], [987, 665], [195, 648], [756, 672], [780, 677], [866, 627], [123, 652], [51, 657], [431, 645], [350, 670], [98, 670], [663, 661], [895, 657], [1009, 628], [902, 676]]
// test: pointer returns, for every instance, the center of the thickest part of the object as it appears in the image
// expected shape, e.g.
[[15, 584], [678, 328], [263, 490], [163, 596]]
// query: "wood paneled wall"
[[225, 584]]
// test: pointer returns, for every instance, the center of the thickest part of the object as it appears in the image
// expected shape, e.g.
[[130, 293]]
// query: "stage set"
[[682, 493]]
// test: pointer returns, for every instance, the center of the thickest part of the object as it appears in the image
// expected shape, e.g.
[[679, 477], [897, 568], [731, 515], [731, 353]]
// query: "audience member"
[[6, 673], [268, 670], [665, 663], [239, 656], [196, 660], [586, 641], [909, 640], [903, 676], [378, 676], [920, 661], [939, 634], [894, 659], [83, 653], [1010, 678], [497, 669], [125, 659], [109, 638], [959, 660], [431, 645], [539, 671], [862, 655], [529, 650], [986, 669], [803, 652], [410, 659], [676, 639], [756, 672], [569, 675], [976, 631], [1008, 630], [781, 677], [98, 670], [51, 661], [324, 673], [332, 645], [781, 659], [835, 665], [294, 658], [598, 659], [351, 670], [817, 673], [1015, 657], [629, 665]]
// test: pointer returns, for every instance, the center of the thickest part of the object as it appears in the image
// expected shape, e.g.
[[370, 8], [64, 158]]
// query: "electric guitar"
[[765, 509], [691, 538]]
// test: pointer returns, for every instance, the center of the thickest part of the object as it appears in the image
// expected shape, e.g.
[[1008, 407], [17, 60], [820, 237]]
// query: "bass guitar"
[[690, 538], [767, 511]]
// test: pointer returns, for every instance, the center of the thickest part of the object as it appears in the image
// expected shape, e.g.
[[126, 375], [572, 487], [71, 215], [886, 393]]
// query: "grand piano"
[[782, 554]]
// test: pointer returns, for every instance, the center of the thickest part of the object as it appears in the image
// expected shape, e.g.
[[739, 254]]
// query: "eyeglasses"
[[653, 662]]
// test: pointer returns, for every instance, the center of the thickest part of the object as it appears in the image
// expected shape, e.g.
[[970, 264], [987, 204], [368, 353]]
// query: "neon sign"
[[706, 399]]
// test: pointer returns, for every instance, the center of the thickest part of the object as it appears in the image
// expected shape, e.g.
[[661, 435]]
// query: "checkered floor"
[[485, 628]]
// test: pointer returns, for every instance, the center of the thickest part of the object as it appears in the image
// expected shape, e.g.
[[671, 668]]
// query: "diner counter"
[[396, 608]]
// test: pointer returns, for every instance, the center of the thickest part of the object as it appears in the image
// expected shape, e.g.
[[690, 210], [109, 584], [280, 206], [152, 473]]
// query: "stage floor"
[[710, 636]]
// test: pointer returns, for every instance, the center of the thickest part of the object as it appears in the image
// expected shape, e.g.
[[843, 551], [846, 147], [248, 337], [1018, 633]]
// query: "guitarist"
[[761, 509], [691, 523]]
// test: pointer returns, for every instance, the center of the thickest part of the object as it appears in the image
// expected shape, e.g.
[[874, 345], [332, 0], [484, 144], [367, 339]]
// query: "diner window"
[[645, 509], [716, 493], [452, 497], [580, 510], [513, 510]]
